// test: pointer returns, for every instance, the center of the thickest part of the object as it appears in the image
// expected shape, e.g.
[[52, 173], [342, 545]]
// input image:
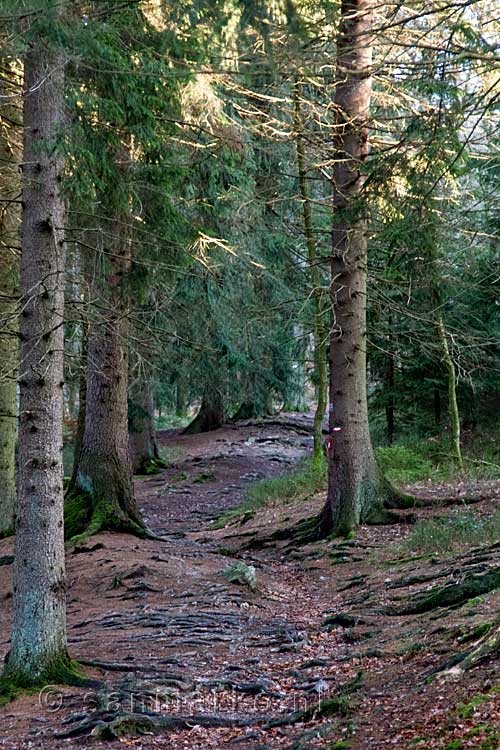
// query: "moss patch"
[[77, 514], [63, 671], [152, 466]]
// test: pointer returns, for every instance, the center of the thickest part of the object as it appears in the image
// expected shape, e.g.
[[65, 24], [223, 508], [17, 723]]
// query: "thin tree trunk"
[[320, 334], [452, 389], [85, 276], [103, 494], [10, 217], [82, 406], [38, 643], [355, 486], [444, 351], [144, 453], [180, 401]]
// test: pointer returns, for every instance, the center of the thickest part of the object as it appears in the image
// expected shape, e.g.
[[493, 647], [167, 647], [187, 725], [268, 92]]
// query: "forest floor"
[[323, 632]]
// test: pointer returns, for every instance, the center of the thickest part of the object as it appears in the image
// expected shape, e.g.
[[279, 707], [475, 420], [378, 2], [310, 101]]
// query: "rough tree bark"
[[355, 485], [38, 642], [211, 415], [320, 333], [10, 217], [102, 496]]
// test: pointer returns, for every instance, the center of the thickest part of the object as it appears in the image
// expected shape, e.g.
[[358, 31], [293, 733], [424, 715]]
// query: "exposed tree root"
[[114, 666], [396, 500], [488, 646], [452, 595], [311, 529], [117, 724], [84, 517], [401, 501], [337, 705], [151, 466], [302, 427], [109, 726]]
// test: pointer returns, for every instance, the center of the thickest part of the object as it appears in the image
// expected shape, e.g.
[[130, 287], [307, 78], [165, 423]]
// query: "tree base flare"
[[210, 417], [151, 466], [63, 671], [86, 515], [368, 502]]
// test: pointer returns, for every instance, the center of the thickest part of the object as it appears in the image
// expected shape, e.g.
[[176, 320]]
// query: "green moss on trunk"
[[151, 466], [62, 671], [85, 515]]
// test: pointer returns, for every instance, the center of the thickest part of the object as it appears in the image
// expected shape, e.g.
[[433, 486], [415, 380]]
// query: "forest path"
[[168, 633]]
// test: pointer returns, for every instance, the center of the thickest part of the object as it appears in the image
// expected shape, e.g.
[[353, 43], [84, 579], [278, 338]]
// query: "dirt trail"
[[172, 635]]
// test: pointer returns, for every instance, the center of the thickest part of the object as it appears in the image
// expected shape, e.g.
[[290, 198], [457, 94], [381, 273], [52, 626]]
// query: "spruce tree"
[[38, 652]]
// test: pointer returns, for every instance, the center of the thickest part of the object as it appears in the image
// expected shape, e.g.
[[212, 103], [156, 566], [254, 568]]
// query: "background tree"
[[10, 212]]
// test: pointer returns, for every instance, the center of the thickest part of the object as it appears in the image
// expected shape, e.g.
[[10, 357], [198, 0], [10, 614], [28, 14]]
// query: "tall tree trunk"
[[38, 642], [320, 335], [82, 292], [211, 415], [103, 496], [10, 216], [355, 486], [144, 453], [445, 355]]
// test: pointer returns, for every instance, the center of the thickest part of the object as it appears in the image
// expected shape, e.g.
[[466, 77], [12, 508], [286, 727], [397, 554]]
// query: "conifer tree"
[[38, 651], [10, 210], [355, 486]]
